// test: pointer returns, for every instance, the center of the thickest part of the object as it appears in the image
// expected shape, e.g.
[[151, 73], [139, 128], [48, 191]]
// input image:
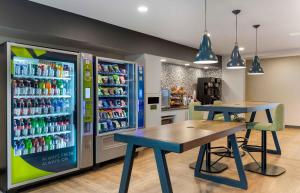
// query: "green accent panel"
[[21, 52], [23, 171], [88, 90], [39, 52]]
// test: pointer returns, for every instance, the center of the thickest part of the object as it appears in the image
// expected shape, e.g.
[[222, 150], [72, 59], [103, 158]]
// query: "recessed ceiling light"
[[205, 67], [187, 64], [163, 60], [241, 48], [294, 34], [142, 9]]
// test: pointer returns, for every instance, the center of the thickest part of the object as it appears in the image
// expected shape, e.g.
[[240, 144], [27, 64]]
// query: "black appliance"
[[209, 90]]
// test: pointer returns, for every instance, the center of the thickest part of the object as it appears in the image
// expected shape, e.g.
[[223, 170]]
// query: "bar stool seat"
[[262, 167]]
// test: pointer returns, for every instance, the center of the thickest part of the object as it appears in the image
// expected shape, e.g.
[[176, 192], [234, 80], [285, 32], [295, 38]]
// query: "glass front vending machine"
[[40, 119], [119, 104]]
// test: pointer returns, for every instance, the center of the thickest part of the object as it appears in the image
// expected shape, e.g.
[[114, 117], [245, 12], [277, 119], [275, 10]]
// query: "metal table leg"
[[216, 167], [227, 118], [162, 168], [210, 166], [241, 183], [127, 168]]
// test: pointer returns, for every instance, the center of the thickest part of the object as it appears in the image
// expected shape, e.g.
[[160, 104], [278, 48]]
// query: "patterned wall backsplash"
[[176, 75]]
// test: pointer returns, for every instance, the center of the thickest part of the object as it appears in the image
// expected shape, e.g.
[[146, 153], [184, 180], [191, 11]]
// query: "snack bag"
[[111, 91], [116, 68], [105, 104], [100, 68], [111, 104], [123, 103], [105, 91], [105, 68], [104, 79], [116, 124], [111, 80], [123, 71], [110, 125], [100, 91], [100, 104], [122, 80], [100, 81], [111, 69], [118, 103], [123, 124], [117, 79]]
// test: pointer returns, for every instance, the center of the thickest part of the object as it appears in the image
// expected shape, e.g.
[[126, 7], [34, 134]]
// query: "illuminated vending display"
[[42, 113], [119, 98]]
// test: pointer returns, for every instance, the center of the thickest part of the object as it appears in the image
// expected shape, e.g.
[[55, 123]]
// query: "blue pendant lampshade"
[[256, 68], [236, 61], [205, 54]]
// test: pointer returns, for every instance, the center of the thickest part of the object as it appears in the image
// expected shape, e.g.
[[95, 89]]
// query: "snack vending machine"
[[119, 104], [39, 114]]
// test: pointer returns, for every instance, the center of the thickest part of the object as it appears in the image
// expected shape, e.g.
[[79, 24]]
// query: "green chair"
[[220, 116], [195, 115], [277, 125]]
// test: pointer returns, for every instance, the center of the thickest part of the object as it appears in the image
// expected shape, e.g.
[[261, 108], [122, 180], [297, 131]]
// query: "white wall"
[[280, 83], [233, 83]]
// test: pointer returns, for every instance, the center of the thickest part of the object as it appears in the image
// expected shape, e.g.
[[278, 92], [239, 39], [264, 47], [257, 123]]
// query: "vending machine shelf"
[[114, 96], [41, 135], [109, 132], [117, 107], [116, 118], [112, 73], [41, 77], [40, 116], [41, 96], [113, 85]]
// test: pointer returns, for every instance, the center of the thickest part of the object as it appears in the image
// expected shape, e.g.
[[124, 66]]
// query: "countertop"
[[174, 108]]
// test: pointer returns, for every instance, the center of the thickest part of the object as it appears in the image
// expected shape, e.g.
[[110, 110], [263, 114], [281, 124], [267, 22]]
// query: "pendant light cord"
[[205, 7], [236, 31], [256, 44]]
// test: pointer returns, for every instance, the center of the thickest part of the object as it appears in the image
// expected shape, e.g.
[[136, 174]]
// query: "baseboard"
[[292, 126]]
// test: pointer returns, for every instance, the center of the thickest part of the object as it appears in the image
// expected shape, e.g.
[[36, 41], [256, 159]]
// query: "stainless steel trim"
[[116, 131], [8, 48], [114, 60], [136, 96]]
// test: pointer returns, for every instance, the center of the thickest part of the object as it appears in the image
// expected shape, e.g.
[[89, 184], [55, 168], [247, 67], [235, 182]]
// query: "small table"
[[178, 138], [252, 107]]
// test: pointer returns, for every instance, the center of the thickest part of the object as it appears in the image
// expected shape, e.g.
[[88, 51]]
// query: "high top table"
[[178, 138], [252, 107]]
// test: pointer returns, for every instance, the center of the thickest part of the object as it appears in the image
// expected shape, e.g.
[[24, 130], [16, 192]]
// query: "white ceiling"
[[182, 21]]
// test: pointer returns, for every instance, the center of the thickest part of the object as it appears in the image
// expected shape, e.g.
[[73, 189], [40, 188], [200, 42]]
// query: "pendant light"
[[256, 69], [236, 61], [205, 54]]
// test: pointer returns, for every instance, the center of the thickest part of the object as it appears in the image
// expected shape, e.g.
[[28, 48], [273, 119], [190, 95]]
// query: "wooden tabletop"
[[180, 137], [238, 107]]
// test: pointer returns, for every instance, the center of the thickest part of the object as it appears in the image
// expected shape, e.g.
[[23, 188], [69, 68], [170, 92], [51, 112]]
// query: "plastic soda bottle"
[[48, 87], [33, 126]]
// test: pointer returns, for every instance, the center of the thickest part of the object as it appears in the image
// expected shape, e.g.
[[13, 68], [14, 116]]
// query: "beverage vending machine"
[[40, 114], [119, 104]]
